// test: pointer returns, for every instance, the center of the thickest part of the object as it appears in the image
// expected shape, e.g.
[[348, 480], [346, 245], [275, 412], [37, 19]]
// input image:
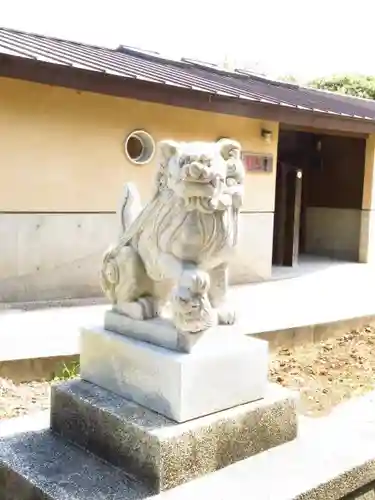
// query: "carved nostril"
[[205, 172], [195, 170]]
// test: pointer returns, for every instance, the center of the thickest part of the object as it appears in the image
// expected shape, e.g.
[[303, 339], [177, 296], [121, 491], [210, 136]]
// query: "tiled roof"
[[132, 64]]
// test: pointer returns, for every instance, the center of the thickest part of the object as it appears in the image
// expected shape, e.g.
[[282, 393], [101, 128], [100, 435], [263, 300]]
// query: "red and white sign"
[[254, 162]]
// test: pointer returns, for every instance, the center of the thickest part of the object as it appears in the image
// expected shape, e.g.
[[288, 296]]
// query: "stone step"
[[161, 452], [332, 458], [43, 466]]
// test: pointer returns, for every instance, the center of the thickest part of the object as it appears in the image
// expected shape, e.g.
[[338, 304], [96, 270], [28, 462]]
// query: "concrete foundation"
[[39, 261], [36, 265]]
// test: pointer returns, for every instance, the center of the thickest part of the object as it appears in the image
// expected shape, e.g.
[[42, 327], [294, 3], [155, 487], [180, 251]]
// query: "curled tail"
[[130, 207], [128, 212]]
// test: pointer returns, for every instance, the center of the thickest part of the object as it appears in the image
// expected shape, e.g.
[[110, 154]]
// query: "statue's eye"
[[184, 161], [205, 160]]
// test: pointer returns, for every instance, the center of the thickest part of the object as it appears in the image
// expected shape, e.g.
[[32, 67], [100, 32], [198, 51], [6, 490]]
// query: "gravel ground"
[[325, 374], [328, 373], [23, 399]]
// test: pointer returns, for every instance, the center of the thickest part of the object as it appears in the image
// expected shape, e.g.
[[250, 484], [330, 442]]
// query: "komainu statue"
[[173, 254]]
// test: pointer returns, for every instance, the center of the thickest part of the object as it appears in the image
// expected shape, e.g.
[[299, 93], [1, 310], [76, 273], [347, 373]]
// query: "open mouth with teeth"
[[204, 188], [199, 190]]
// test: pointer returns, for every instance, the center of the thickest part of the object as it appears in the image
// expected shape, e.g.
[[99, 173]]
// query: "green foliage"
[[354, 85], [288, 78], [68, 371]]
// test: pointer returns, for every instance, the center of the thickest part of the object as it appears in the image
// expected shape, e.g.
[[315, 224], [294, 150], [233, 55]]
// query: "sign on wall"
[[255, 162]]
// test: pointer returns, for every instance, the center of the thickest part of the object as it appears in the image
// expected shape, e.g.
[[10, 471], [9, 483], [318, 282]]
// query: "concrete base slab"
[[332, 458], [231, 371], [162, 453], [42, 466]]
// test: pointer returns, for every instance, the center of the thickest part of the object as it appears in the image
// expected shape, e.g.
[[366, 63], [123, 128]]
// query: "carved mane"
[[204, 234]]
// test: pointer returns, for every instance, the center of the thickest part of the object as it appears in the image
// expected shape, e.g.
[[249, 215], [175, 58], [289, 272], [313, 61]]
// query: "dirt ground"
[[324, 374], [22, 399], [328, 373], [31, 397]]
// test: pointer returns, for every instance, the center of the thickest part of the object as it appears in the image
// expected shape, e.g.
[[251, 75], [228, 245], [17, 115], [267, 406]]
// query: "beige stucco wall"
[[62, 159], [367, 235]]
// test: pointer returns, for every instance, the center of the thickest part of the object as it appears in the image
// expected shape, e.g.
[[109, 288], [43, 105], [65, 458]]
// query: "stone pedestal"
[[230, 371], [169, 416], [146, 418], [162, 453]]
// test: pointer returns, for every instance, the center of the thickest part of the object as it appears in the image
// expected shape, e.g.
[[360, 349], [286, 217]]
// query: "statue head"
[[200, 172]]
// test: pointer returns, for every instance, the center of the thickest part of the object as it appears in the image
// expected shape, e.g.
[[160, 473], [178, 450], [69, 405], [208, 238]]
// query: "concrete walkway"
[[46, 332], [319, 291]]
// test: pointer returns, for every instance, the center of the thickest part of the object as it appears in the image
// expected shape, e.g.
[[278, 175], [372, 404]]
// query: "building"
[[78, 121]]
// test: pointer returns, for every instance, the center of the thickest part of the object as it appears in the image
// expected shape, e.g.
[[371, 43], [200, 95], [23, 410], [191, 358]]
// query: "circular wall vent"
[[139, 147]]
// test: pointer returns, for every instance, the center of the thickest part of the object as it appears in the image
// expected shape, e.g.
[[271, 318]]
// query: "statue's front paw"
[[237, 200], [226, 315], [197, 282], [192, 313], [141, 309]]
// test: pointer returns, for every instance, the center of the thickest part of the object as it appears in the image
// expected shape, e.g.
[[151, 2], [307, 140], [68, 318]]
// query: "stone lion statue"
[[175, 250]]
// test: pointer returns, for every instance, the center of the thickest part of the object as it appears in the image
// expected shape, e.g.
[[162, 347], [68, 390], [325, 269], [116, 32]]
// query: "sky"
[[306, 38]]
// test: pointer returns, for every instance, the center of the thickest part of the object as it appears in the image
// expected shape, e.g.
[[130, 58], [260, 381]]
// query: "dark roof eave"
[[103, 83]]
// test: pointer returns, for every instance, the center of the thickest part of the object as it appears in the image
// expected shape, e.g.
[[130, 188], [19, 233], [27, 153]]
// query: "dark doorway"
[[319, 186], [294, 152], [288, 202]]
